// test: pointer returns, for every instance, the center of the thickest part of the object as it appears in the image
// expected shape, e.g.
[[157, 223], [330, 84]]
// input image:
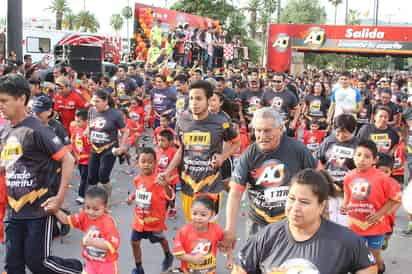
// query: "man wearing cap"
[[42, 109], [67, 101]]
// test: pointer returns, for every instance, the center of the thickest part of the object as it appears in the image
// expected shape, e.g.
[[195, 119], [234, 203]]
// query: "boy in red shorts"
[[150, 212], [368, 199], [101, 241]]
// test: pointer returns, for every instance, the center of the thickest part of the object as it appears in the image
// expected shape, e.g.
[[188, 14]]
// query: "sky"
[[390, 10]]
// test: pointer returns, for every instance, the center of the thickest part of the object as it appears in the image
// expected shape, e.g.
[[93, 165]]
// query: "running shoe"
[[80, 200], [167, 263], [172, 213], [138, 270]]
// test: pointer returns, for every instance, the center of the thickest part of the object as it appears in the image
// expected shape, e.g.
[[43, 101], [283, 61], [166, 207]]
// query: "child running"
[[368, 199], [165, 151], [196, 243], [101, 241], [150, 211]]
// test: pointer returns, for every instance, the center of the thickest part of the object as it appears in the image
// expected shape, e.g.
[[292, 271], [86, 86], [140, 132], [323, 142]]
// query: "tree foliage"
[[86, 21], [69, 20], [303, 12], [59, 7], [336, 3], [116, 21], [354, 17]]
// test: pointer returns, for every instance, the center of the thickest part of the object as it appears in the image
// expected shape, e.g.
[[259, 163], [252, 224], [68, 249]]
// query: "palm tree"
[[127, 13], [69, 20], [336, 3], [86, 21], [59, 7], [253, 7], [116, 21]]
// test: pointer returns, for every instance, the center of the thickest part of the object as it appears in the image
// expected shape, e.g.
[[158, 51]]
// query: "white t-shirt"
[[345, 100]]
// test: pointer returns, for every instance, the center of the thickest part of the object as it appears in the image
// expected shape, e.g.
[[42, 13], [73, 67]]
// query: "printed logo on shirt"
[[270, 174], [93, 252], [301, 266], [314, 106], [163, 162], [254, 101], [197, 138], [143, 198], [78, 142], [134, 116], [180, 104], [98, 123], [382, 141], [203, 247], [11, 153], [360, 189], [277, 103], [158, 98]]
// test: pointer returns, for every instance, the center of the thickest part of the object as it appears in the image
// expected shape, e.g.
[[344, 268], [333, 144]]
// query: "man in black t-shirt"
[[264, 171], [282, 100], [385, 96], [201, 152], [38, 170], [250, 100], [124, 86]]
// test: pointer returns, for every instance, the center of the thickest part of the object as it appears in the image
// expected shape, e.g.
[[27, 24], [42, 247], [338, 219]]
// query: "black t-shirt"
[[201, 140], [283, 102], [365, 115], [125, 87], [266, 176], [333, 249], [385, 139], [104, 127], [60, 131], [250, 102], [336, 156], [395, 109], [138, 79], [317, 106], [29, 156]]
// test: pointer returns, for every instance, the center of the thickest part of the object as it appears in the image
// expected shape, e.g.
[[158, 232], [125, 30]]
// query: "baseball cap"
[[42, 103], [62, 81]]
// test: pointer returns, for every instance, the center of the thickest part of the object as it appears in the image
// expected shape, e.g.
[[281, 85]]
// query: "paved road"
[[398, 256]]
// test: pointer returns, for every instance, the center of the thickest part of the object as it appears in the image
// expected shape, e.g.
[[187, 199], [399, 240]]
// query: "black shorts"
[[226, 169], [152, 236]]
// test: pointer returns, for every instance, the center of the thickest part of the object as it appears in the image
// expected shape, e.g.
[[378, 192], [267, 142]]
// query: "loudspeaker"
[[87, 59]]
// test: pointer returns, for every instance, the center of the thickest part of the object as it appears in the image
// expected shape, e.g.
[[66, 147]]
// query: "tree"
[[253, 7], [335, 3], [354, 17], [116, 21], [86, 21], [303, 12], [127, 13], [59, 7], [69, 20]]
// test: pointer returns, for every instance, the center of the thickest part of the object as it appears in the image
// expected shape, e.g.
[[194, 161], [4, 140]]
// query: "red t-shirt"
[[80, 144], [366, 193], [103, 227], [392, 216], [133, 128], [151, 200], [137, 114], [189, 241], [67, 107], [313, 138], [399, 163], [164, 157]]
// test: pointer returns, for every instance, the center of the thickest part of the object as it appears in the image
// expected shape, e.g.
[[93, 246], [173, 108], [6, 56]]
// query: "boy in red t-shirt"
[[102, 240], [136, 113], [133, 127], [313, 138], [164, 124], [368, 199], [150, 211], [81, 149], [385, 164], [165, 151]]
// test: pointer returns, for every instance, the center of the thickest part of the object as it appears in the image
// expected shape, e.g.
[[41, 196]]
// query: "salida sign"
[[283, 38]]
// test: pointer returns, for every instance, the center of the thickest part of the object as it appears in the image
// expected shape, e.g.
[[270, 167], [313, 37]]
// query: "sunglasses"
[[277, 81]]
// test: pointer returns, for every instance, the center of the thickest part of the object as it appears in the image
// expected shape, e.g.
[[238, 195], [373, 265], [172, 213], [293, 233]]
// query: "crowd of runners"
[[320, 159]]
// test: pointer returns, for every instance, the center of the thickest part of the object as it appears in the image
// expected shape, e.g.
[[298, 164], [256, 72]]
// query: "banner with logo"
[[283, 38]]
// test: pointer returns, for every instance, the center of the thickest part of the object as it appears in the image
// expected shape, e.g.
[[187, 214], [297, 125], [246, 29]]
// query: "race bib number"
[[143, 198], [342, 152], [276, 194]]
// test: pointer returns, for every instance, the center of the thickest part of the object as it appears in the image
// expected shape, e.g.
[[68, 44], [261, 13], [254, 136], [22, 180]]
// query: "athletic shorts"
[[95, 267], [226, 169], [187, 202], [152, 236], [374, 242]]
